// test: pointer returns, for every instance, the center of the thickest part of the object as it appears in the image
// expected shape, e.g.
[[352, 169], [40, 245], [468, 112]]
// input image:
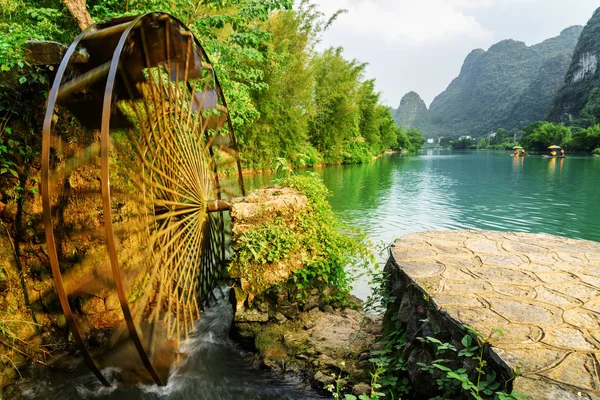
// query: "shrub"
[[314, 235]]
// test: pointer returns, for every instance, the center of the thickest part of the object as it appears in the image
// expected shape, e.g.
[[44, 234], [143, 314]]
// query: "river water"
[[387, 199], [396, 195]]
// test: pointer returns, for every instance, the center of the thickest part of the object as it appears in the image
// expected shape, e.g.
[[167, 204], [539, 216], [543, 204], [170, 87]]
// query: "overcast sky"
[[420, 44]]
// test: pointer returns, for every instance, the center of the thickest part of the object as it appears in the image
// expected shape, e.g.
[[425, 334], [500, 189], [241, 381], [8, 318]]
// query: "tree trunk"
[[79, 12]]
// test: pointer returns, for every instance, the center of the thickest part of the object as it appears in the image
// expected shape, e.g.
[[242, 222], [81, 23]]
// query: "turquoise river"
[[396, 195]]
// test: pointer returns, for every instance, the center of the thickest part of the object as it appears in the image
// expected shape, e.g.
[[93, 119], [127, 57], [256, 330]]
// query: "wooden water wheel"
[[134, 205]]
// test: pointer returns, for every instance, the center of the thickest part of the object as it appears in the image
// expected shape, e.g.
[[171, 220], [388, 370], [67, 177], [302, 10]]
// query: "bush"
[[314, 235], [596, 151], [356, 152]]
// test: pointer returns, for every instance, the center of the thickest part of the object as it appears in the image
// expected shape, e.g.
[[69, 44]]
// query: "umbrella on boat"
[[554, 147], [517, 147]]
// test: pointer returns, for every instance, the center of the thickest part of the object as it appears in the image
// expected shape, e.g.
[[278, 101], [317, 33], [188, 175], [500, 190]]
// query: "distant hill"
[[509, 86], [412, 112], [579, 97]]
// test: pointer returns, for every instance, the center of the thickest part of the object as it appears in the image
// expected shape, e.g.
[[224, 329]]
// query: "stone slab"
[[542, 291]]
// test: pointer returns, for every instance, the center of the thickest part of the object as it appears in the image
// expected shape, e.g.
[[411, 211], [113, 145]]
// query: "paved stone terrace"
[[543, 291]]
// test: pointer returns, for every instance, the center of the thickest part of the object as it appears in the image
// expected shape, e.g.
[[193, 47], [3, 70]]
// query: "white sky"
[[420, 44]]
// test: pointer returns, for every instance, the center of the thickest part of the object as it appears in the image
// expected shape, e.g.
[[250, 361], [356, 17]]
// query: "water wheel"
[[137, 143]]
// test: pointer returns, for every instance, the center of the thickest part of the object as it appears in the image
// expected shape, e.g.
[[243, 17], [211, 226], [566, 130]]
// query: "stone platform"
[[542, 291]]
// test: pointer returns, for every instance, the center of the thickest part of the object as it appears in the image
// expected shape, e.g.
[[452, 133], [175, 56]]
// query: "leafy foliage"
[[31, 20], [546, 134], [314, 235], [287, 101], [415, 138]]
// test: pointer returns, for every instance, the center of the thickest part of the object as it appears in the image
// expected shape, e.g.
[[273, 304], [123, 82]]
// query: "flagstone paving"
[[542, 291]]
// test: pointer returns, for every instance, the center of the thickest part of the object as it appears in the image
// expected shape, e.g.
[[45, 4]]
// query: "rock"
[[325, 361], [309, 324], [313, 301], [328, 309], [275, 200], [261, 305], [324, 379], [361, 388], [280, 318], [94, 305], [251, 315], [419, 378], [282, 297], [111, 302], [293, 340], [290, 311]]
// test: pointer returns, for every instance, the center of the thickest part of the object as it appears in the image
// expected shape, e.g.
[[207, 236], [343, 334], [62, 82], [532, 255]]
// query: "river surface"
[[396, 195], [387, 199]]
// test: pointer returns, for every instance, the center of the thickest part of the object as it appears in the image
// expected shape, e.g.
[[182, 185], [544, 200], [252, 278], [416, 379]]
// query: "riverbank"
[[323, 346], [321, 165], [292, 289]]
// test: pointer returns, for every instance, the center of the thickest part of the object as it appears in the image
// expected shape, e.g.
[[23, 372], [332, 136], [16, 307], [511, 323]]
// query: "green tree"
[[388, 130], [544, 134], [416, 139], [337, 117], [501, 136], [445, 141], [369, 120], [285, 106], [585, 139], [463, 144], [402, 141]]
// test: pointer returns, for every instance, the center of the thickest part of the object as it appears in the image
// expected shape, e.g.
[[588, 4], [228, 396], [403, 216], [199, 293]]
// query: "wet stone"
[[542, 291]]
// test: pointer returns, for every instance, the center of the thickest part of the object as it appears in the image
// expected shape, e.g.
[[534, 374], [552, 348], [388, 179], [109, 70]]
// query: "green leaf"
[[442, 367], [466, 341], [22, 80]]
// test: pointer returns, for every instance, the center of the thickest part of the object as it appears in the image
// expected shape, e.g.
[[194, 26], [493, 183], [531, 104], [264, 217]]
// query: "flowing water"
[[388, 198], [216, 369]]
